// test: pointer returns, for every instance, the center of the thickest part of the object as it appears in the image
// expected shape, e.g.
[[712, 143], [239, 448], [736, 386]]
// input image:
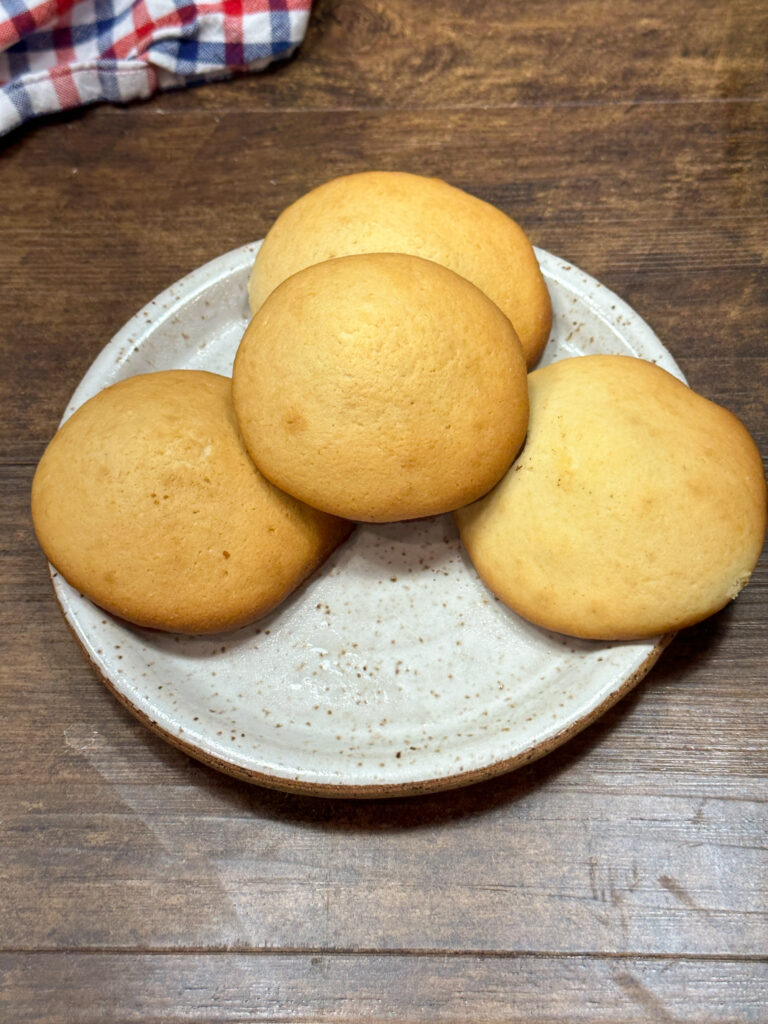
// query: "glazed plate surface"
[[392, 670]]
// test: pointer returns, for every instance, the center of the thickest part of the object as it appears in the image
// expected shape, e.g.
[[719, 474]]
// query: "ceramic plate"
[[393, 670]]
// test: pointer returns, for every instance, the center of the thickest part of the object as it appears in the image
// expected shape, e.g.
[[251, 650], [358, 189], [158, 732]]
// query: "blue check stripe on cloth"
[[58, 54]]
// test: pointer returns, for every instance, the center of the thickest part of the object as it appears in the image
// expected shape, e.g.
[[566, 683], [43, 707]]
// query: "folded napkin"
[[57, 54]]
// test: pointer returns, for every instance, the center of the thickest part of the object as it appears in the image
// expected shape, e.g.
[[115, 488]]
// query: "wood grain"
[[116, 989], [622, 878]]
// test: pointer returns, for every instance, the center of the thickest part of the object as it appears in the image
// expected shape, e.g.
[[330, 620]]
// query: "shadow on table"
[[690, 650]]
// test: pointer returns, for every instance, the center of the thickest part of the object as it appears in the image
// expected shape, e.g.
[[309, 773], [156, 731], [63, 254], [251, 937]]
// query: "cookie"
[[387, 211], [381, 387], [635, 508], [147, 502]]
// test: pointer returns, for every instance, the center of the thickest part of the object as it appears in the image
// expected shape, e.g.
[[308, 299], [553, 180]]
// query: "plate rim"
[[162, 308], [388, 790]]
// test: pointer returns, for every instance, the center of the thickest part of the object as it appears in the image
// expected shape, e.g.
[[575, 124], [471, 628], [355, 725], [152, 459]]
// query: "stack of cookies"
[[385, 376]]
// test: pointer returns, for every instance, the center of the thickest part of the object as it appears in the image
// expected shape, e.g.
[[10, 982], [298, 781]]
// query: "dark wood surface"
[[623, 877]]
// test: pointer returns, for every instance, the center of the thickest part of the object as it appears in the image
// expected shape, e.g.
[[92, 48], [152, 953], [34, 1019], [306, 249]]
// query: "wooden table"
[[623, 877]]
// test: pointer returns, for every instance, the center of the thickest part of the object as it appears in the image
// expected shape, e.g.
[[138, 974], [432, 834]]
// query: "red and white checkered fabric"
[[57, 54]]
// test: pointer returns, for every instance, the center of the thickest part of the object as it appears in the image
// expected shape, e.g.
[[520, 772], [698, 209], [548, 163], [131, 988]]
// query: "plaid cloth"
[[56, 54]]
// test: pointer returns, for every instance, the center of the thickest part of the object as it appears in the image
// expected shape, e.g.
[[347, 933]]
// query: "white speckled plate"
[[392, 670]]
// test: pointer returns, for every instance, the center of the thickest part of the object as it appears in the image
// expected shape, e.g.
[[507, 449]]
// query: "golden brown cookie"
[[387, 211], [635, 508], [381, 387], [147, 502]]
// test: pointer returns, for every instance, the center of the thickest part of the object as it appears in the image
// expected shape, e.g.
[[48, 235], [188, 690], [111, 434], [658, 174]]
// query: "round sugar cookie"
[[635, 508], [148, 503], [381, 387], [388, 211]]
